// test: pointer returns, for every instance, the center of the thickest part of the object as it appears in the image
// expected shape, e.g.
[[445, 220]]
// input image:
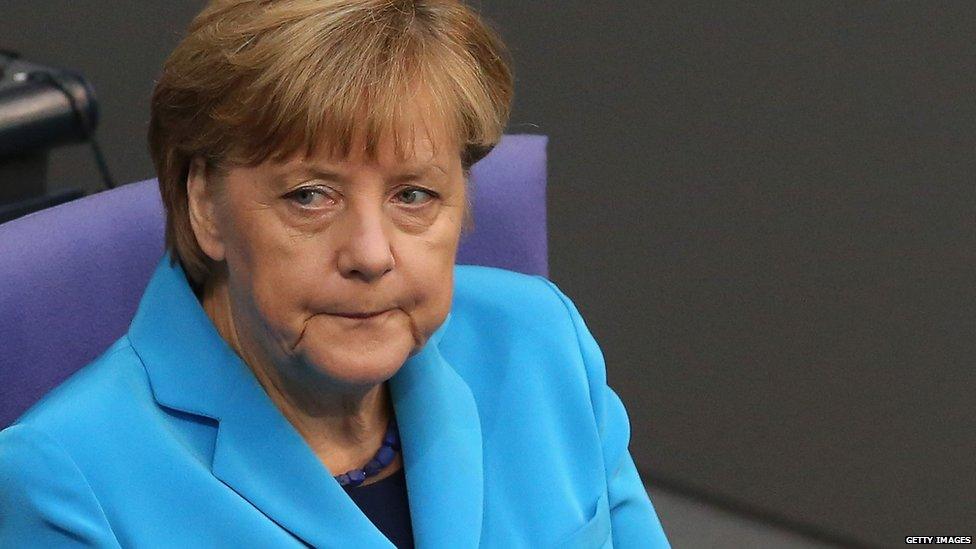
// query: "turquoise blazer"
[[511, 438]]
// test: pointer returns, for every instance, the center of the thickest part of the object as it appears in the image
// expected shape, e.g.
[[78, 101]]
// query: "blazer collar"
[[442, 453], [263, 458]]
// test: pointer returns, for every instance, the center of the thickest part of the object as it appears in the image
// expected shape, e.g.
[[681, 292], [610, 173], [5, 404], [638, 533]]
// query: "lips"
[[361, 315]]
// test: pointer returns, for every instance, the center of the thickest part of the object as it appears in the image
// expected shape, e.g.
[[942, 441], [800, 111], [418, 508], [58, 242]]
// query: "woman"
[[307, 365]]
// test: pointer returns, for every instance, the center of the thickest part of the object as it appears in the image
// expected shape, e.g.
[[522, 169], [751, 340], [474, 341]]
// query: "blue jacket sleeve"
[[634, 523], [45, 500]]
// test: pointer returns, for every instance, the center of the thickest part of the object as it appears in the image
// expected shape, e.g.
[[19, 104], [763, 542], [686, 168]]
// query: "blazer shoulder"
[[90, 399], [45, 499], [499, 315], [519, 297], [494, 277]]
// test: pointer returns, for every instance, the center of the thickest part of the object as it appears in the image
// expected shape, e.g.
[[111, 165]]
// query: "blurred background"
[[766, 212]]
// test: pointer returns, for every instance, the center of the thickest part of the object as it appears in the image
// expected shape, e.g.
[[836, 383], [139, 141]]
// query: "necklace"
[[383, 458]]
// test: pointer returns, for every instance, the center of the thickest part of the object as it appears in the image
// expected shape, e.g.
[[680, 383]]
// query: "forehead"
[[413, 151], [415, 138], [418, 155]]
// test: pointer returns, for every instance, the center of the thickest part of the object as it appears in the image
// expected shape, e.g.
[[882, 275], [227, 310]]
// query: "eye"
[[414, 196], [307, 197]]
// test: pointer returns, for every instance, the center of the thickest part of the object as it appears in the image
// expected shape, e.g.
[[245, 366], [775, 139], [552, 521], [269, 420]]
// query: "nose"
[[365, 249]]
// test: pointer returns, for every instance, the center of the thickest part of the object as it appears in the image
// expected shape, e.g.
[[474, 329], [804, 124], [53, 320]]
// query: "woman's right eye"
[[307, 197]]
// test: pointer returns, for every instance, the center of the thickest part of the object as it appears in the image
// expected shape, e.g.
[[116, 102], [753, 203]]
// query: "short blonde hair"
[[260, 79]]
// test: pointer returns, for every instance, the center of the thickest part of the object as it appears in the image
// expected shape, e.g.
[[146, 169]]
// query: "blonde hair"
[[262, 79]]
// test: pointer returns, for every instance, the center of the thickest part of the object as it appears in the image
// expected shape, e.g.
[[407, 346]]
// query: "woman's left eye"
[[415, 196]]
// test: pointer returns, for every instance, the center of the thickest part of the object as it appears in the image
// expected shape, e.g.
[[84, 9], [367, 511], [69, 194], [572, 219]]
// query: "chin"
[[357, 366]]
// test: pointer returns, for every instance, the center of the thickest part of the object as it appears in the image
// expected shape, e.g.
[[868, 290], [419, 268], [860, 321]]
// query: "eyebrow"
[[412, 173]]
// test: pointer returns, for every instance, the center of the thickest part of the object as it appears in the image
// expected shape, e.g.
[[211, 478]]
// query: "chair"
[[71, 276]]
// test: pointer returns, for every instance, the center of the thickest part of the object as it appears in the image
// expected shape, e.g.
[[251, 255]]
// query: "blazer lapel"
[[261, 456], [442, 452], [258, 453]]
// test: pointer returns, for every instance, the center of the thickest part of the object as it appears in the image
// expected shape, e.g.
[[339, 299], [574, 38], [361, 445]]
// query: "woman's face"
[[341, 266]]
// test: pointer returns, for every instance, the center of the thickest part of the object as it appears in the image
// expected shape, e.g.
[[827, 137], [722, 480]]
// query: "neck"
[[343, 425]]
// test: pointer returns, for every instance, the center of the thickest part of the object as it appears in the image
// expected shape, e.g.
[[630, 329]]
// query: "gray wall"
[[766, 213]]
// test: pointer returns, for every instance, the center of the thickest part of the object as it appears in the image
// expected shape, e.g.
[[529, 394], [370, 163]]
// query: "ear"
[[203, 210]]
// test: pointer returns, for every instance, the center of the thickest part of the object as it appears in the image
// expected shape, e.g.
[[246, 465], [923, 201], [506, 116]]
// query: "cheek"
[[434, 305], [277, 285], [264, 308], [434, 281], [274, 264]]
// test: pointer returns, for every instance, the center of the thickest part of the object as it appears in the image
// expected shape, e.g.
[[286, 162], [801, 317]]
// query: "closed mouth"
[[360, 315]]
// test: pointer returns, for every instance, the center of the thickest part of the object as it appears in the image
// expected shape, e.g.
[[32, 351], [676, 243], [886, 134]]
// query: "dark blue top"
[[385, 503]]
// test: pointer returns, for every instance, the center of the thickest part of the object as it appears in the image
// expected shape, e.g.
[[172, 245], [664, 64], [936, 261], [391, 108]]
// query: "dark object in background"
[[40, 108]]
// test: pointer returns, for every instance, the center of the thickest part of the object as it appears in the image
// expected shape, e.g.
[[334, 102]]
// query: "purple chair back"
[[71, 276]]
